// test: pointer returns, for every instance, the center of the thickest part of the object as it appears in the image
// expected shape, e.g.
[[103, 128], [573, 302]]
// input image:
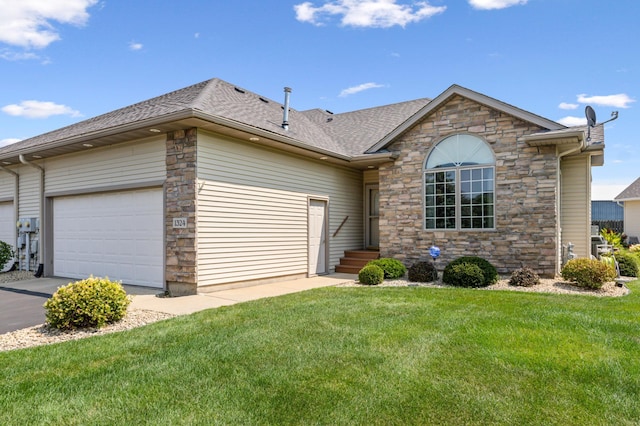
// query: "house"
[[630, 199], [214, 185]]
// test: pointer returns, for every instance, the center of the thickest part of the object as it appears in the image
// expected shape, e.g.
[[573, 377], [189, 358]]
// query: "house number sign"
[[179, 222]]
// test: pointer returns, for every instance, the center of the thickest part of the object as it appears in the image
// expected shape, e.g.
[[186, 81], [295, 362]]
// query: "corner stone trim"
[[181, 271]]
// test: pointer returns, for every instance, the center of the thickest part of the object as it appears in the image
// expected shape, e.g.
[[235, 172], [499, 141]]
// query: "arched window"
[[459, 184]]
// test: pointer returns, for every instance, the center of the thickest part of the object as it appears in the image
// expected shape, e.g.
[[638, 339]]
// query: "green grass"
[[347, 356]]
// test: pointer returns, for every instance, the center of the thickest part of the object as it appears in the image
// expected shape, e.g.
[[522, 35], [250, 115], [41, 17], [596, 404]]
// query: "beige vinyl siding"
[[632, 218], [129, 164], [575, 204], [29, 199], [253, 210], [7, 186]]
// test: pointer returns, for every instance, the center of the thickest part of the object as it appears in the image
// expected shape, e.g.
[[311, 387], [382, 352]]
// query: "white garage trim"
[[116, 234]]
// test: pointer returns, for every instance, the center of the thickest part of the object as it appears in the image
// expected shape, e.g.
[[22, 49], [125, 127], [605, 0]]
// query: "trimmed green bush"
[[628, 264], [93, 302], [489, 272], [371, 275], [423, 272], [6, 254], [587, 273], [524, 277], [392, 268], [465, 275]]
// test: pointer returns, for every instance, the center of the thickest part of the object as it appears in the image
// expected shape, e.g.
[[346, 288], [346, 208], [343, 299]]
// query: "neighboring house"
[[630, 199], [607, 214], [215, 185]]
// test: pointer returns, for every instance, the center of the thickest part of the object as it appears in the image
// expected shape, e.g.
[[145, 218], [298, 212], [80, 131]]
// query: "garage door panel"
[[7, 223], [119, 235]]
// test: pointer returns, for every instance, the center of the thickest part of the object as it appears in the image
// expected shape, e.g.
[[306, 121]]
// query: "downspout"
[[16, 199], [40, 213], [580, 147]]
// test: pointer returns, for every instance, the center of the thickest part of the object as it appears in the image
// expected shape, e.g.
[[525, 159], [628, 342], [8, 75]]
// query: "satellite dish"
[[591, 116]]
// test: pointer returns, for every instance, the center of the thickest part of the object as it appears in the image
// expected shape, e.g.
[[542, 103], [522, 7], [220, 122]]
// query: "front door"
[[372, 215], [317, 237]]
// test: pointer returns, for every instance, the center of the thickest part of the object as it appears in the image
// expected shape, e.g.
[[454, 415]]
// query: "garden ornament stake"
[[434, 251]]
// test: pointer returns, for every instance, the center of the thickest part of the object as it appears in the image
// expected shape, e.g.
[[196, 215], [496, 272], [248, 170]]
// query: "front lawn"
[[347, 356]]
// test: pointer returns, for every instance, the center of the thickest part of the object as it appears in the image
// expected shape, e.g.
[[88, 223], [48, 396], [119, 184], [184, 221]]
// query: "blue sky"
[[62, 61]]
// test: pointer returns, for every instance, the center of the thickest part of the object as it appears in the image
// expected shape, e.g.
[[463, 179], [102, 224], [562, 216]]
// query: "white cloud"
[[29, 23], [367, 13], [135, 46], [620, 100], [565, 105], [573, 121], [359, 88], [39, 109], [495, 4], [5, 142]]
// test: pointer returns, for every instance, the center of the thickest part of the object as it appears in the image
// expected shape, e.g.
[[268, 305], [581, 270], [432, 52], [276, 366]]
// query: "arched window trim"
[[460, 194]]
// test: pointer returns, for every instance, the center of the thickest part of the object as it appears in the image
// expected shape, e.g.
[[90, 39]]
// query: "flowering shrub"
[[587, 273], [93, 302]]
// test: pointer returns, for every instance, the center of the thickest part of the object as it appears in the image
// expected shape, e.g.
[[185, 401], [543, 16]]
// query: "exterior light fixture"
[[6, 162], [87, 145], [254, 139], [37, 156], [155, 130], [323, 158]]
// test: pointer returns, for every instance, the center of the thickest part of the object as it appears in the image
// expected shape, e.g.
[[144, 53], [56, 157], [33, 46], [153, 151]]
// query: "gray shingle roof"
[[631, 192]]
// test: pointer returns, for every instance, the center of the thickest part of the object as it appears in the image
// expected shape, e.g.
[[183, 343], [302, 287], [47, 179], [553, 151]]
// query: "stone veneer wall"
[[180, 202], [525, 209]]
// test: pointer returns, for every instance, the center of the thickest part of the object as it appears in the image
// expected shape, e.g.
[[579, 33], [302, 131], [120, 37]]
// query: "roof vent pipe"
[[285, 118]]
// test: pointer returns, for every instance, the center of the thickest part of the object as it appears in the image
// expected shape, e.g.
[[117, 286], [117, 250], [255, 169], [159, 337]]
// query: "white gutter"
[[41, 210], [16, 199]]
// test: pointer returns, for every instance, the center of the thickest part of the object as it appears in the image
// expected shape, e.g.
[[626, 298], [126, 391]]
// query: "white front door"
[[317, 237], [114, 234]]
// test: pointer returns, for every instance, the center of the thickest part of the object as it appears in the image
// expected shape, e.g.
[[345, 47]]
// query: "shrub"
[[634, 248], [610, 261], [524, 277], [588, 273], [371, 275], [612, 237], [464, 275], [392, 268], [93, 302], [489, 272], [423, 272], [628, 264], [6, 254]]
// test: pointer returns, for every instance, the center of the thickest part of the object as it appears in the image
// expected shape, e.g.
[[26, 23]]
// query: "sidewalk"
[[215, 299]]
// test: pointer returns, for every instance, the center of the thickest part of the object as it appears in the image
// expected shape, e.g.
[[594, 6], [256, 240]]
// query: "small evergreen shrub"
[[628, 264], [524, 277], [392, 268], [93, 302], [587, 273], [371, 275], [489, 272], [423, 272], [6, 254], [465, 275]]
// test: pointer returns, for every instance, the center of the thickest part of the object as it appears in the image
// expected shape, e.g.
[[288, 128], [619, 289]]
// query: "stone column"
[[181, 272]]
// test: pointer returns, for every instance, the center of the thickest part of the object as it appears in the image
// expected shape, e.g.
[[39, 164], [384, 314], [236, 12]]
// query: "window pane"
[[429, 189], [465, 175], [476, 174], [430, 223], [487, 173], [465, 211], [465, 223]]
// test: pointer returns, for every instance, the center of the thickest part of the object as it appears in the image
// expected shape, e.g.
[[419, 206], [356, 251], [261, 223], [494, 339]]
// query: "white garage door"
[[7, 224], [114, 234]]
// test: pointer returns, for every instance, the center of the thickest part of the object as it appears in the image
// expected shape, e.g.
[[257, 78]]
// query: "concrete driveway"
[[21, 301]]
